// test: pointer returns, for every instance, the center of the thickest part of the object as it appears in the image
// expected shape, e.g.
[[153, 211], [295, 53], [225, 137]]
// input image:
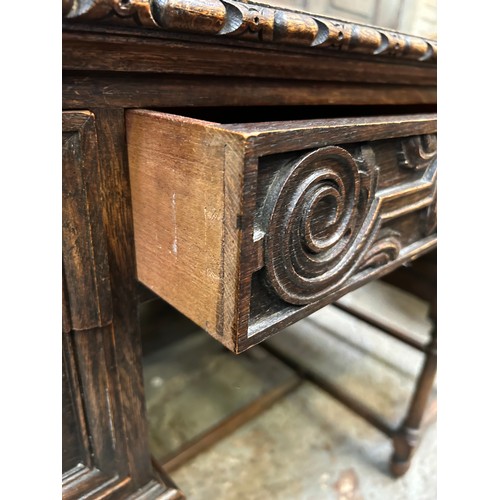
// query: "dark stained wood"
[[84, 250], [94, 439], [128, 52], [274, 197], [195, 54], [105, 447], [72, 451], [66, 314], [251, 21], [277, 137], [95, 464], [117, 217], [96, 386], [158, 91], [407, 437], [286, 316], [420, 278]]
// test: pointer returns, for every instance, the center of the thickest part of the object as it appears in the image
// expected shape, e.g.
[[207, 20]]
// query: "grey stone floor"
[[309, 446]]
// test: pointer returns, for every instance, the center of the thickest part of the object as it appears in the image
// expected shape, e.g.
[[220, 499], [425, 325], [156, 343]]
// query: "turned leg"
[[407, 436]]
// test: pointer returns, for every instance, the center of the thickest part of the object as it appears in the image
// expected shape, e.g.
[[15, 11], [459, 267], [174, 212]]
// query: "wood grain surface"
[[183, 175], [105, 446], [186, 197], [257, 22], [126, 51], [273, 220], [87, 286]]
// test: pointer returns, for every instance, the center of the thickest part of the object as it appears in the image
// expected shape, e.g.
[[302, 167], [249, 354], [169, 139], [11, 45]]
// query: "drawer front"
[[247, 228]]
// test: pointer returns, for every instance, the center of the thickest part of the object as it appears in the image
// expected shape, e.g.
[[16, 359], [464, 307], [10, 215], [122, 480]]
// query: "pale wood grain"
[[185, 197]]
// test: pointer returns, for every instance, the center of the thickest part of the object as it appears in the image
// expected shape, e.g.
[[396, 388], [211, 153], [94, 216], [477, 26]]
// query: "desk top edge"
[[251, 21]]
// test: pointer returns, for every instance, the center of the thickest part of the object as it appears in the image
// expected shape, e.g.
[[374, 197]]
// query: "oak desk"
[[248, 164]]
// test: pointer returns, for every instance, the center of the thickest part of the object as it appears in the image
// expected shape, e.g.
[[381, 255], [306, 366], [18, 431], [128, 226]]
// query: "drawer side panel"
[[177, 182]]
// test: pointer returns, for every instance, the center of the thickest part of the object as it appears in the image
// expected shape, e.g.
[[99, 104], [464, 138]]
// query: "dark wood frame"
[[101, 352], [255, 21]]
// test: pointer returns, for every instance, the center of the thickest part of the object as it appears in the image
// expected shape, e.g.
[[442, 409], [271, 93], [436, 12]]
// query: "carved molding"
[[250, 21], [429, 219], [114, 10], [385, 249], [322, 216], [417, 153]]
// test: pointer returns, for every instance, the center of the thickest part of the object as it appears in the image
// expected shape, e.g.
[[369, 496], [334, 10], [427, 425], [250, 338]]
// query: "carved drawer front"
[[247, 228]]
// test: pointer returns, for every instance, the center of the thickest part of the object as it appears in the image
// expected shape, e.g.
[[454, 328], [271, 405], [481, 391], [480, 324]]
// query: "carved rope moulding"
[[251, 21]]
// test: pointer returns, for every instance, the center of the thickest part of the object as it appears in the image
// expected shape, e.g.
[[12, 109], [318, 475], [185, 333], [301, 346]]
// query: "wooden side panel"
[[84, 249], [124, 344], [177, 173], [72, 445], [105, 450]]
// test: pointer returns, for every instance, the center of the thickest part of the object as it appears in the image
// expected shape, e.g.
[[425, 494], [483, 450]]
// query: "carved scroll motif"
[[250, 21], [321, 220], [316, 217], [418, 152], [385, 249]]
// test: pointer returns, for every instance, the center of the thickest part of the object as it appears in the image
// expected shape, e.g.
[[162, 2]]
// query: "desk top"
[[168, 53]]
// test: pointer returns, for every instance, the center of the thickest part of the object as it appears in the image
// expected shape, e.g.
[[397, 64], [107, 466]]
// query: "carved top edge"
[[253, 21]]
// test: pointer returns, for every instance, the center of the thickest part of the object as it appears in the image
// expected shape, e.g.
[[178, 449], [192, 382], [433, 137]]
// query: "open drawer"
[[247, 228]]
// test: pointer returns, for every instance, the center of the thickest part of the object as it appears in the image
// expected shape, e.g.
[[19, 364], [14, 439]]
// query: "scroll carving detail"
[[315, 214], [418, 152], [385, 249], [323, 220]]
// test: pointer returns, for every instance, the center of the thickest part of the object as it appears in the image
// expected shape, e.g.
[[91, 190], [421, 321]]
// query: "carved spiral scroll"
[[314, 209]]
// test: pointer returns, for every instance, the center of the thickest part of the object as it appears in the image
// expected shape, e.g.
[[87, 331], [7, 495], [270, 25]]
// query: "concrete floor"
[[307, 445]]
